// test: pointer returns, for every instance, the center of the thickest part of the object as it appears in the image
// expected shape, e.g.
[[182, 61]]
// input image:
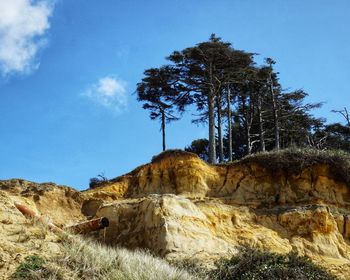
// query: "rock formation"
[[20, 237], [30, 250], [181, 207]]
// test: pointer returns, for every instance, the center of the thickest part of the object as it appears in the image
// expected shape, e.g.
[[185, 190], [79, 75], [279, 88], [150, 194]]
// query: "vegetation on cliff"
[[81, 258], [292, 160], [295, 160], [260, 265], [251, 264], [244, 104], [84, 259]]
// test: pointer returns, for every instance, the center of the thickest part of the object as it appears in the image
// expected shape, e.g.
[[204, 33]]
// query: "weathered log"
[[80, 228], [31, 214], [88, 226]]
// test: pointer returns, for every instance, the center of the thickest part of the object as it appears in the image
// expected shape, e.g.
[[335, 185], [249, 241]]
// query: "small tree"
[[160, 92], [272, 81], [97, 181], [201, 67]]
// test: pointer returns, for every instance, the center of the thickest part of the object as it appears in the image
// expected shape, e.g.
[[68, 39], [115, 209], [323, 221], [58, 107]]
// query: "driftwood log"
[[28, 213], [88, 226], [80, 228]]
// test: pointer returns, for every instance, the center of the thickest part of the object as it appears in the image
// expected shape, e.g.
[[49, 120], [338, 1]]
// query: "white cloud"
[[23, 24], [109, 92]]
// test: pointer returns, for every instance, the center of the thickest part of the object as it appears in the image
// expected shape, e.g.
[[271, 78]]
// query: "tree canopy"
[[243, 104]]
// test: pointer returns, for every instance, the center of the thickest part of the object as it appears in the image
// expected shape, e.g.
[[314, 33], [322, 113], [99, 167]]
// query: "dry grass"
[[86, 259], [173, 154]]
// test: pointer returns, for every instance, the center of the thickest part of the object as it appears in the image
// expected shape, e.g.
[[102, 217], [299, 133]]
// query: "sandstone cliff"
[[180, 207], [21, 237], [65, 257]]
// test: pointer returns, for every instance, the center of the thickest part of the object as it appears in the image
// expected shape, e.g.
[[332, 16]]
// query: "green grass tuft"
[[28, 266]]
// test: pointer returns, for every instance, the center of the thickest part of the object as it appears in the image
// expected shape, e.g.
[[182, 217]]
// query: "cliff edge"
[[180, 207]]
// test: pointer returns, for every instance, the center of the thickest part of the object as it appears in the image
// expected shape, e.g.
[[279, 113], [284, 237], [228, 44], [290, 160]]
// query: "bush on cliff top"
[[258, 265], [97, 181], [294, 160], [251, 264]]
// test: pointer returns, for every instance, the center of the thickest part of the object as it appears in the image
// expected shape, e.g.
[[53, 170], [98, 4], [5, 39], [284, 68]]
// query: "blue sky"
[[68, 70]]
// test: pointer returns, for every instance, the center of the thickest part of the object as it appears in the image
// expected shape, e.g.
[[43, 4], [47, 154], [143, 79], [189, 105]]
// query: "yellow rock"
[[181, 207], [20, 237]]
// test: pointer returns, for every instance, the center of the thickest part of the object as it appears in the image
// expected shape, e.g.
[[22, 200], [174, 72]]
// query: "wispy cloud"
[[109, 92], [23, 24]]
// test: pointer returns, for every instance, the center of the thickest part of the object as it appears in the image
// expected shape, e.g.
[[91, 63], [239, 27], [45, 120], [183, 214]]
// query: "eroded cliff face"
[[21, 237], [62, 204], [180, 207], [247, 184]]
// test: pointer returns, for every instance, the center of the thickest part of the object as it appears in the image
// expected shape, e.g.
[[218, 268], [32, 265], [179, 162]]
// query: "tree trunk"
[[275, 116], [221, 143], [247, 126], [229, 124], [261, 125], [163, 130], [211, 111], [249, 140], [211, 107]]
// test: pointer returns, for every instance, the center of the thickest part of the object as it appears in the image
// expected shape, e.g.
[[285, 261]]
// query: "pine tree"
[[201, 67], [160, 92]]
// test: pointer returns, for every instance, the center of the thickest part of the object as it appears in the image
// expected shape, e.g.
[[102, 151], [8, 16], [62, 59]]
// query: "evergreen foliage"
[[244, 105], [199, 147]]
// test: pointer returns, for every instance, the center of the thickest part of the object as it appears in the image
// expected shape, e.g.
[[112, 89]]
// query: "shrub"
[[97, 181], [193, 266], [31, 264], [294, 160], [258, 265]]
